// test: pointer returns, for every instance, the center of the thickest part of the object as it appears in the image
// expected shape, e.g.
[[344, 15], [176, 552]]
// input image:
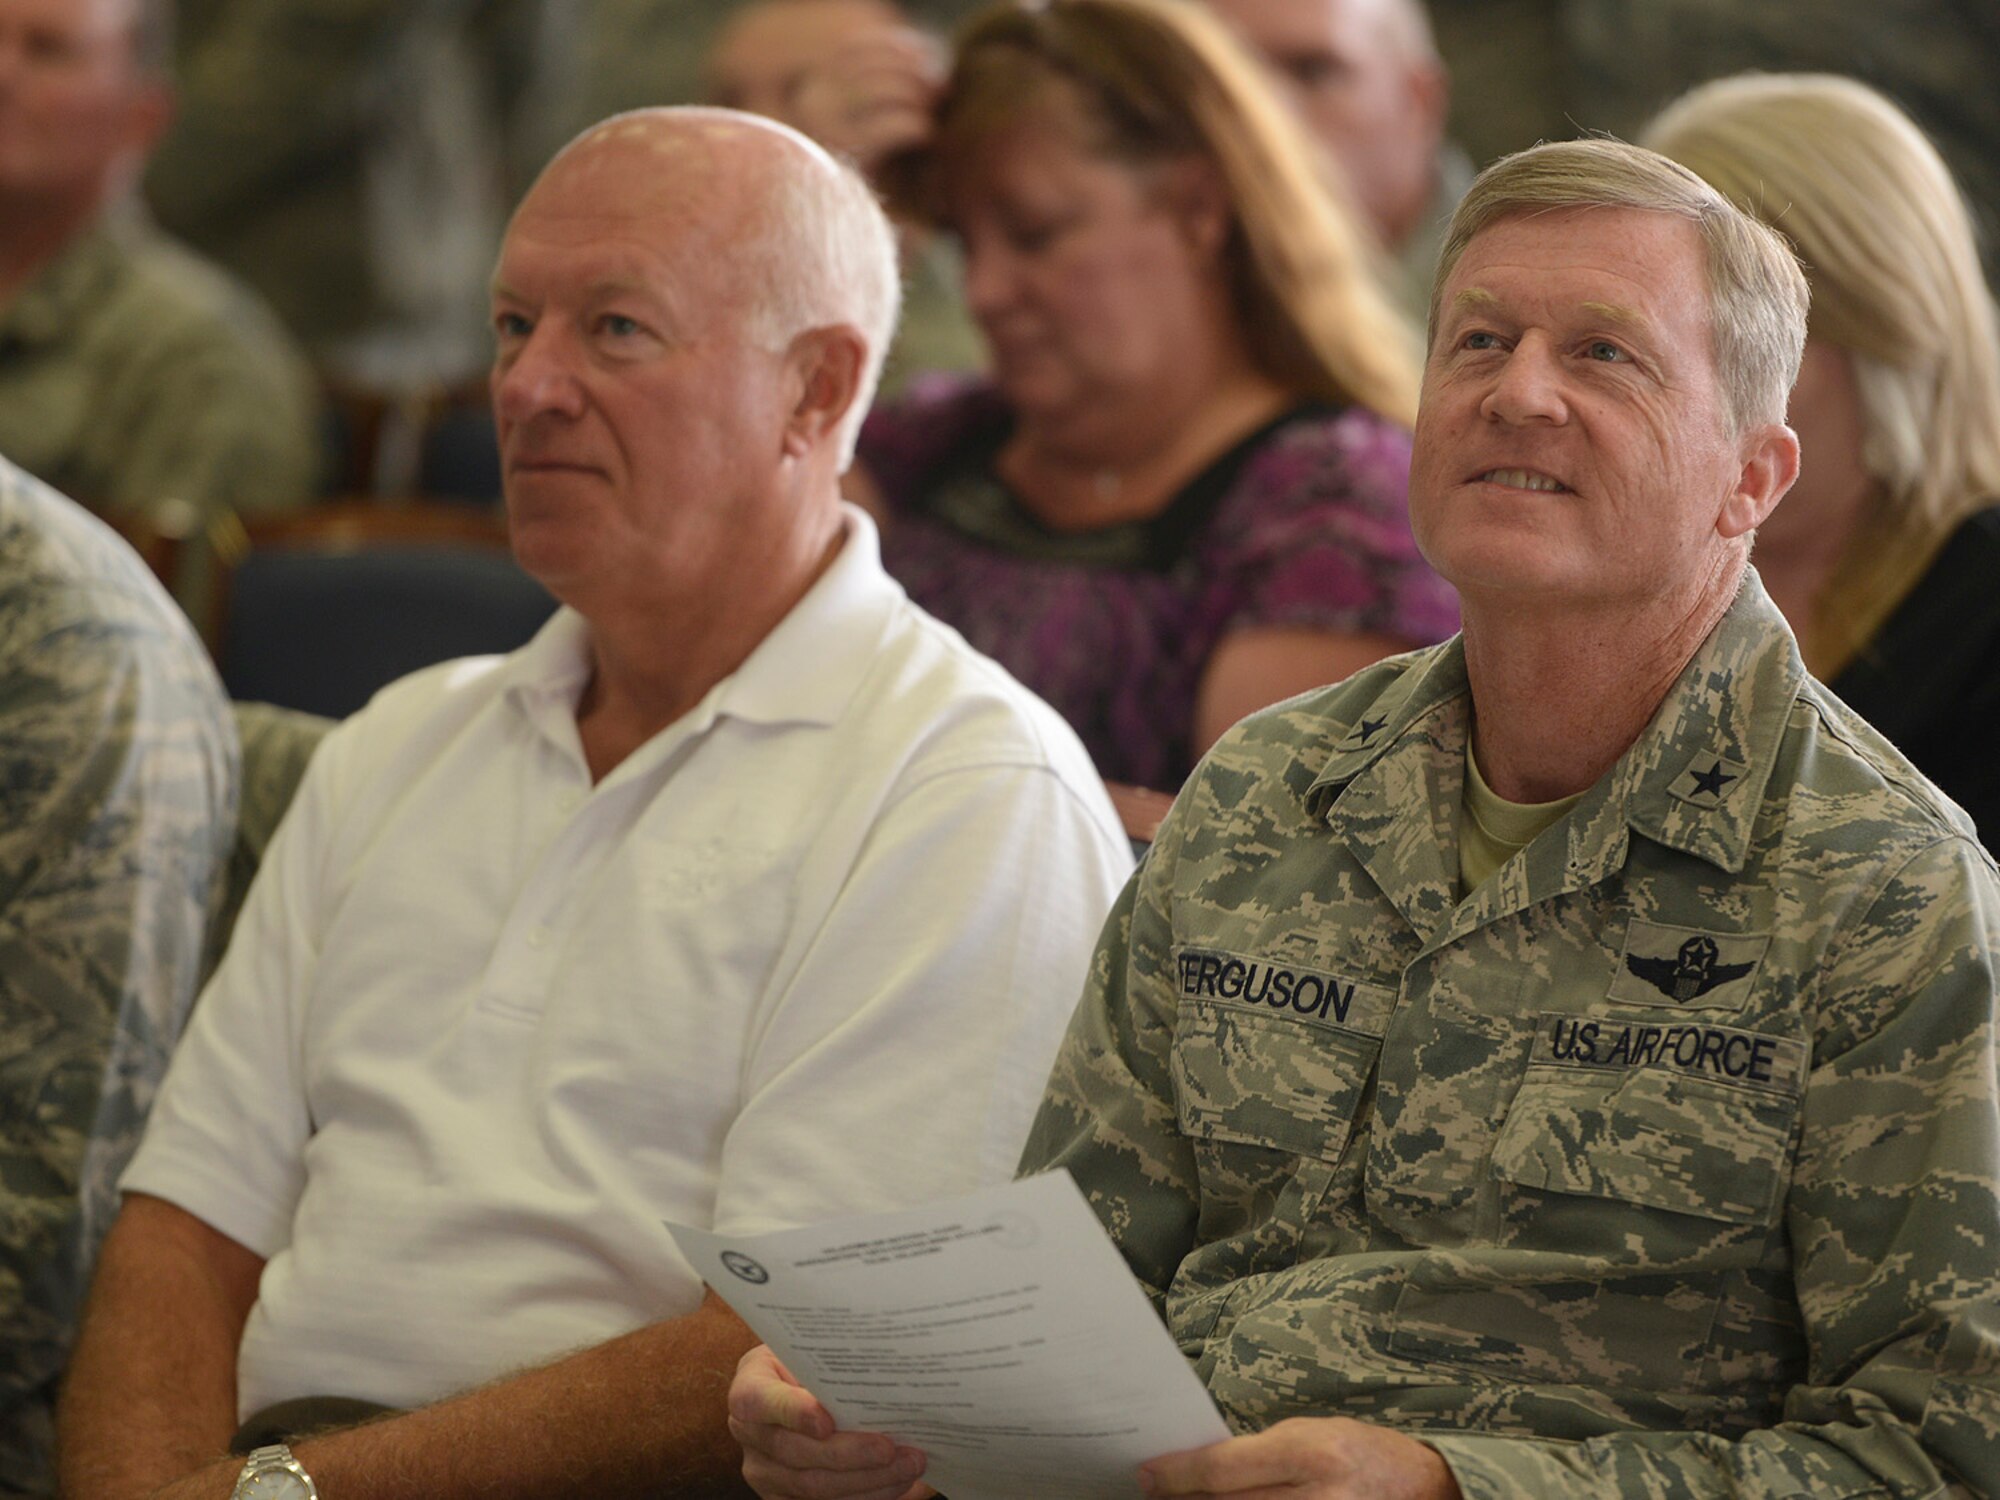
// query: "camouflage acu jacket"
[[117, 801], [1665, 1164]]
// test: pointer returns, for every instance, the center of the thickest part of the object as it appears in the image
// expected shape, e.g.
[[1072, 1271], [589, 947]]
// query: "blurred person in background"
[[862, 79], [133, 376], [354, 162], [1885, 557], [1181, 496], [1366, 78]]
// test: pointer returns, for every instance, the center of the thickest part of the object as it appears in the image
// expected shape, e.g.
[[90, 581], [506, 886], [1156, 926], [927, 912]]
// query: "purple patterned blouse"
[[1303, 523]]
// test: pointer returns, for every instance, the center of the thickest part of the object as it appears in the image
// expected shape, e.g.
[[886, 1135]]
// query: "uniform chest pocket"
[[1653, 1138], [1268, 1081]]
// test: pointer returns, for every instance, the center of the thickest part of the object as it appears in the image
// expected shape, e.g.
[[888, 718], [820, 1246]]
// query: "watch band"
[[273, 1456]]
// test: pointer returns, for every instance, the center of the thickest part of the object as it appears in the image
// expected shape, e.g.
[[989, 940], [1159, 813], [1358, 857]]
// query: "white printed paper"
[[1000, 1333]]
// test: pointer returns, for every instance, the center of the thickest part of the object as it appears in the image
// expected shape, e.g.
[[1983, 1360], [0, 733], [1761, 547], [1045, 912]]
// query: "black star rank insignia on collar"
[[1367, 729], [1707, 780]]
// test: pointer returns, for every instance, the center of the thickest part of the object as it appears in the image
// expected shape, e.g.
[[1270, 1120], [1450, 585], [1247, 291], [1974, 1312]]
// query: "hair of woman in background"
[[1182, 495], [1885, 557]]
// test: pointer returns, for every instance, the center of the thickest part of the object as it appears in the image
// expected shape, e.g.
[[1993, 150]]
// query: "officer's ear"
[[825, 366], [1769, 456]]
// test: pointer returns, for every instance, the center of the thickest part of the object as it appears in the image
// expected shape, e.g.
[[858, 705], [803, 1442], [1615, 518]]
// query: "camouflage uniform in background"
[[1667, 1163], [132, 374], [304, 130], [277, 743], [117, 799]]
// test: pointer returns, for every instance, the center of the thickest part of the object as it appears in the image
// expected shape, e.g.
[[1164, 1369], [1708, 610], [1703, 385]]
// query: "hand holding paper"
[[1000, 1334]]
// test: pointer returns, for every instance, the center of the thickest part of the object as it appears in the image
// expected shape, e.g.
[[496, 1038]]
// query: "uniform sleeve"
[[217, 414], [228, 1135], [1894, 1223], [1108, 1114], [1316, 535], [119, 774], [909, 1045]]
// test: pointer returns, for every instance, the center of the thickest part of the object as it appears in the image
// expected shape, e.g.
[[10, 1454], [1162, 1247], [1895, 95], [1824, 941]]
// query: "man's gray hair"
[[1757, 293], [820, 251]]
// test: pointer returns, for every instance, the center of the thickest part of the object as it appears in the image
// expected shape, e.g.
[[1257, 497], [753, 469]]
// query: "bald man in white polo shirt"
[[744, 895]]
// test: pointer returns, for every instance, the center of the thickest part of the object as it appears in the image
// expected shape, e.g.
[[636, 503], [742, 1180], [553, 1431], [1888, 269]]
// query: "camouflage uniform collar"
[[1402, 755], [1695, 778], [1384, 721], [50, 306]]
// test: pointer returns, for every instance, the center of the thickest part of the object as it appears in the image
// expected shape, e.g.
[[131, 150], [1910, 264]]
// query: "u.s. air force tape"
[[1283, 988], [1726, 1054]]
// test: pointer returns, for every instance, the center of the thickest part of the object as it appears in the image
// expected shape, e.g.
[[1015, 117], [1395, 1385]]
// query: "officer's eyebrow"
[[1617, 312], [1474, 299]]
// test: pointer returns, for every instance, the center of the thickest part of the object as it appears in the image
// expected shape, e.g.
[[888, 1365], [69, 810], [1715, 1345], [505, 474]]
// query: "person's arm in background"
[[1318, 549]]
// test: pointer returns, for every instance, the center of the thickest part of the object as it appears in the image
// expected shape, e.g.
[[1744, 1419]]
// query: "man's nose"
[[1528, 387], [535, 377]]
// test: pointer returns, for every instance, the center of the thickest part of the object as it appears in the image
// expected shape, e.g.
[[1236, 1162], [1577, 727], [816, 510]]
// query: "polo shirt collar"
[[806, 671]]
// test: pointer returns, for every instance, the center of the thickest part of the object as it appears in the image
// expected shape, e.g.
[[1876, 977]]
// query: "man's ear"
[[1770, 457], [826, 366]]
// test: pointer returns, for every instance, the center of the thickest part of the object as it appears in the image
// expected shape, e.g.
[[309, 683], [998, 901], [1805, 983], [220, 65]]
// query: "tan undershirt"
[[1493, 830]]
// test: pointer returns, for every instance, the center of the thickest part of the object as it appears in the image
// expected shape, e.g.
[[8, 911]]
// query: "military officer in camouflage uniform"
[[117, 801], [134, 377], [1560, 1062]]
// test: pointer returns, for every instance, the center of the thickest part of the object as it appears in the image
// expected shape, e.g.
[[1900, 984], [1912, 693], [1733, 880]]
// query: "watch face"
[[274, 1483]]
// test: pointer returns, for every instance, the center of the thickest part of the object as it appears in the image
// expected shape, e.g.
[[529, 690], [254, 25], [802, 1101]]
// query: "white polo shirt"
[[482, 1025]]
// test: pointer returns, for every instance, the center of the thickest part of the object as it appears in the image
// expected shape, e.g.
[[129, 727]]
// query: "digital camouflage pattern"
[[277, 744], [118, 784], [1667, 1163], [133, 375]]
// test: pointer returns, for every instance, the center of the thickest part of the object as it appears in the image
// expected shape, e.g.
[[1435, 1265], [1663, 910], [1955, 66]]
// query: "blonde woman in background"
[[1885, 556], [1182, 494]]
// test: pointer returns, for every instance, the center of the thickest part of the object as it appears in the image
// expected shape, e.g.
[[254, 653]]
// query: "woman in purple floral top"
[[1182, 495], [1300, 526]]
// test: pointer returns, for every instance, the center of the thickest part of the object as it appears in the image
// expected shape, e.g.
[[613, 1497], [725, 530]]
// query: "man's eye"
[[1605, 351], [618, 325], [510, 325], [1480, 341]]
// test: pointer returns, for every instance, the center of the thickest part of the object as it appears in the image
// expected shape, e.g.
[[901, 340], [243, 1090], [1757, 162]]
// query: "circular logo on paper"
[[743, 1266]]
